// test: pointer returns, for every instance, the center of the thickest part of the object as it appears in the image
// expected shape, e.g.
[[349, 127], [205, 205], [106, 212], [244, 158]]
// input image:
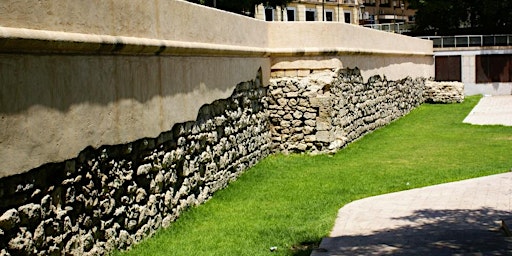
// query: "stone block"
[[290, 73], [303, 72], [323, 136], [277, 73], [310, 122], [310, 138], [9, 219], [323, 124], [309, 115]]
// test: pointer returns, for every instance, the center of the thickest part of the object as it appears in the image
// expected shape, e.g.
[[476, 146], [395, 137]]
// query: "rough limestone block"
[[9, 219], [444, 92]]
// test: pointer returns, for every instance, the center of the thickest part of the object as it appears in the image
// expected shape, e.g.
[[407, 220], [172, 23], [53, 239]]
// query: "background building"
[[346, 11], [389, 15]]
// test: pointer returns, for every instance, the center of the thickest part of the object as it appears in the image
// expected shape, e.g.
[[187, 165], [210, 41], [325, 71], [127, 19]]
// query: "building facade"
[[346, 11], [386, 12]]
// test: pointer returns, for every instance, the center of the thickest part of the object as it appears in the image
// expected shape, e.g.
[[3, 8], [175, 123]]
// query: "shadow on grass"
[[436, 232], [305, 248]]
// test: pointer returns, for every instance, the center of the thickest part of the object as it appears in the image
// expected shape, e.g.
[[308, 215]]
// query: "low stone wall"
[[114, 196], [444, 92], [327, 110]]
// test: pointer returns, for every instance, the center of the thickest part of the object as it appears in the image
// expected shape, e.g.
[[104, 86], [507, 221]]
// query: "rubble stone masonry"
[[114, 196], [326, 110]]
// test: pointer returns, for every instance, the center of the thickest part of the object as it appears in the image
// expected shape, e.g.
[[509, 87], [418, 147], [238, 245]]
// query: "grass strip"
[[290, 201]]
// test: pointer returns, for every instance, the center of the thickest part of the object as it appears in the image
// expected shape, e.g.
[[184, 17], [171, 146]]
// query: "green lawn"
[[291, 201]]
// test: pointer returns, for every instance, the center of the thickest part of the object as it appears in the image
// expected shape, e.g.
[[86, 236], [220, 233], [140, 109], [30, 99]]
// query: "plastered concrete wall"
[[318, 46], [162, 19], [79, 73], [101, 75], [117, 115], [54, 106], [116, 195]]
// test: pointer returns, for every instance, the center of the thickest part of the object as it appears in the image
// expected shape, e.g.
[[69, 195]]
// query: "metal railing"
[[391, 27], [470, 40]]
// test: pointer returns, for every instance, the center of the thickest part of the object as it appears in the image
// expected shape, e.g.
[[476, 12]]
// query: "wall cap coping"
[[22, 40]]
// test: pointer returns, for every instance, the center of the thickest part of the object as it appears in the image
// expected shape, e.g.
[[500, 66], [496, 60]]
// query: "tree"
[[449, 17]]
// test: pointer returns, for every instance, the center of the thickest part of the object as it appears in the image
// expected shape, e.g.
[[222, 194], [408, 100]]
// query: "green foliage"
[[463, 16], [291, 202]]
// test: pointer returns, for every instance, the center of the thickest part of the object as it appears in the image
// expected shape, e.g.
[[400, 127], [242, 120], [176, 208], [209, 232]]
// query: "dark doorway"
[[448, 68], [493, 68]]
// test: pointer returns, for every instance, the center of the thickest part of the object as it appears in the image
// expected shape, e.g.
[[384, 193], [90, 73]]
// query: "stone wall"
[[444, 92], [327, 110], [114, 196]]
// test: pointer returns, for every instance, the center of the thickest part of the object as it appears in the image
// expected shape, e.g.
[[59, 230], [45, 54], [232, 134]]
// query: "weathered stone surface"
[[144, 169], [22, 243], [9, 219], [444, 92], [114, 196], [4, 252], [336, 107]]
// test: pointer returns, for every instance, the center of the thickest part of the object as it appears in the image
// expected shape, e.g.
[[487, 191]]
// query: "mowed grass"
[[291, 202]]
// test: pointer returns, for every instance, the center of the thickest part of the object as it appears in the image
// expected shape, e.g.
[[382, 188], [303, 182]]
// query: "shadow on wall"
[[54, 106], [61, 81], [440, 232], [393, 67], [115, 196]]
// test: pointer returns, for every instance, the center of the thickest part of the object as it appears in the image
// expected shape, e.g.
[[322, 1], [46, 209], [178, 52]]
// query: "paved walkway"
[[492, 110], [459, 218]]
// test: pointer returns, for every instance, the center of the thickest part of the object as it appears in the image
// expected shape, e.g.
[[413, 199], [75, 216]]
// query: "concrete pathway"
[[459, 218], [492, 110]]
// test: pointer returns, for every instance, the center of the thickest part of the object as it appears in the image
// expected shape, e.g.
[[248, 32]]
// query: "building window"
[[269, 14], [329, 15], [448, 68], [310, 14], [370, 2], [348, 17], [384, 3], [493, 68], [290, 14]]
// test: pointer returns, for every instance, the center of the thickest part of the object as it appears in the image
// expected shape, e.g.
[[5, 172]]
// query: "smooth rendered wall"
[[162, 19], [78, 73], [323, 45], [54, 104]]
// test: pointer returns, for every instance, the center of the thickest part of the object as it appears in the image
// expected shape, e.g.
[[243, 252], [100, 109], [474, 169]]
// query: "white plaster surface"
[[79, 73]]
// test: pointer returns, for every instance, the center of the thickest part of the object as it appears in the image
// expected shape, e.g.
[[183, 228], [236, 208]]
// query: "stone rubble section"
[[326, 110], [113, 197], [444, 92]]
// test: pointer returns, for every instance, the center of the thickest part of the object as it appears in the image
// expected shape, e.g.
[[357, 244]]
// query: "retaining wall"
[[114, 196], [116, 118], [325, 111]]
